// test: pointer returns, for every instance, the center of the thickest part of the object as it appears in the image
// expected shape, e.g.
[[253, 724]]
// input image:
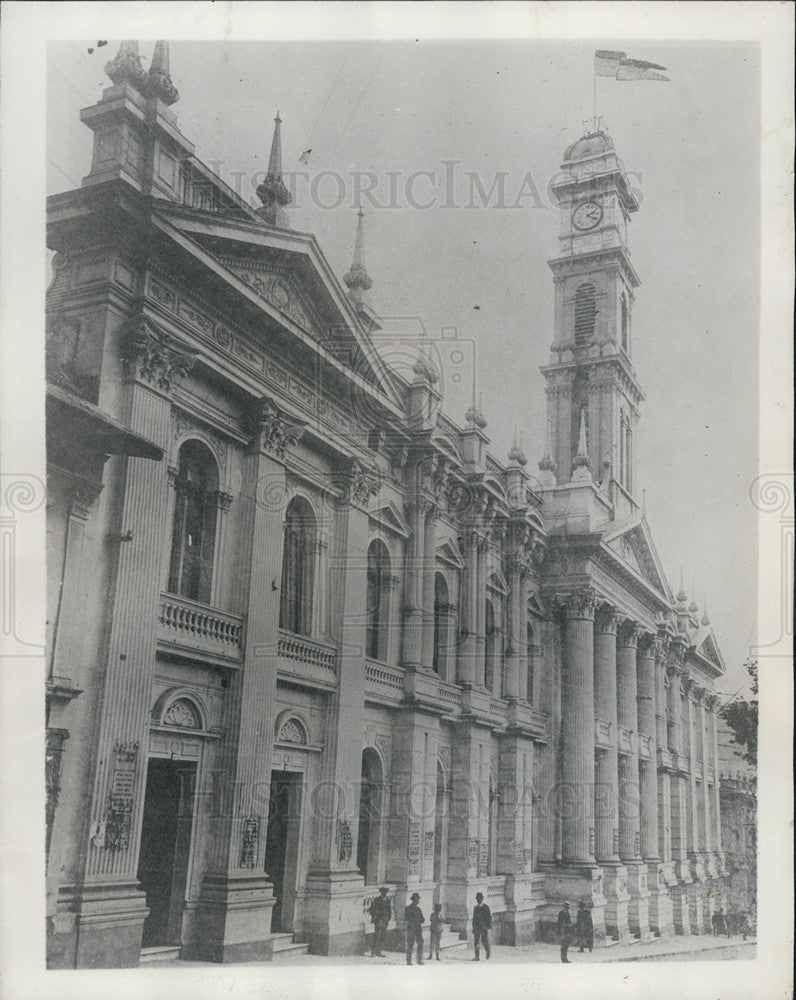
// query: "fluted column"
[[707, 762], [577, 729], [606, 805], [413, 607], [662, 740], [511, 662], [713, 705], [429, 570], [468, 623], [480, 611], [647, 729], [679, 792], [629, 833], [690, 748]]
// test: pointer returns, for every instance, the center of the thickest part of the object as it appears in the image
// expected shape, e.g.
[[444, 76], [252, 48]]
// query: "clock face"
[[587, 215]]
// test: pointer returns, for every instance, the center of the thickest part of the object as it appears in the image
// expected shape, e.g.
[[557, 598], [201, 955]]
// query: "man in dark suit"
[[482, 924], [564, 927], [380, 913], [414, 918]]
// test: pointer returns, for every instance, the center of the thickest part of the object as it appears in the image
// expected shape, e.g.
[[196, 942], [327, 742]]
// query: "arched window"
[[298, 568], [370, 817], [440, 660], [378, 601], [585, 314], [625, 322], [529, 645], [193, 535], [491, 637]]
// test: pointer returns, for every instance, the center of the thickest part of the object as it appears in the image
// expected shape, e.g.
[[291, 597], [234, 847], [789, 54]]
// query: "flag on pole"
[[617, 65], [607, 62], [638, 69]]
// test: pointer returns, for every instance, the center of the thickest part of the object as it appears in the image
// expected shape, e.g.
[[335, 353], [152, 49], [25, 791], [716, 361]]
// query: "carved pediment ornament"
[[152, 356], [273, 430]]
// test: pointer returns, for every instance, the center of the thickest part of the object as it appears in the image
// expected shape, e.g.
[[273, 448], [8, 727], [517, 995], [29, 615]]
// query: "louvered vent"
[[585, 314]]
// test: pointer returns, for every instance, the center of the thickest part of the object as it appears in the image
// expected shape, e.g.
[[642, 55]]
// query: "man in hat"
[[380, 913], [414, 918], [564, 927], [435, 931], [584, 926], [482, 924]]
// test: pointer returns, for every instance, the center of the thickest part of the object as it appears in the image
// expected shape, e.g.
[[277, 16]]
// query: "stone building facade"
[[307, 636]]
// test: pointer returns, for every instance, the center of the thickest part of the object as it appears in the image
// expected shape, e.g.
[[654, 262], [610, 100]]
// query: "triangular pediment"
[[707, 647], [390, 517], [535, 605], [449, 552], [632, 543], [497, 581], [287, 275]]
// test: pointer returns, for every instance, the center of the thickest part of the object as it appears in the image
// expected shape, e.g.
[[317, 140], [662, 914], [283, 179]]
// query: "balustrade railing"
[[305, 650], [383, 680], [197, 626]]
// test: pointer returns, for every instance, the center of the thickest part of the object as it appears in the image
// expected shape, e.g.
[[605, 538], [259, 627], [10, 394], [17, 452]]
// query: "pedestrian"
[[719, 923], [482, 924], [584, 926], [435, 931], [380, 913], [564, 927], [414, 918]]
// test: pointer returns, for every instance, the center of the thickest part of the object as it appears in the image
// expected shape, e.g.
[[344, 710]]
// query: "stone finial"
[[516, 454], [547, 465], [357, 278], [474, 415], [581, 471], [126, 67], [160, 84], [682, 597], [272, 191], [424, 370], [705, 618]]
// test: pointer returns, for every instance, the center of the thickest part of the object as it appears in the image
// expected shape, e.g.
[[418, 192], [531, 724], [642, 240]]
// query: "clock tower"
[[592, 390]]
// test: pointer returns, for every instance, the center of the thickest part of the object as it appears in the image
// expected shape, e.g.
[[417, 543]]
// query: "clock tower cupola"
[[592, 389]]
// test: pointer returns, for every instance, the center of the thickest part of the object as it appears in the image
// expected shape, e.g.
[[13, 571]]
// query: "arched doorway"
[[370, 817]]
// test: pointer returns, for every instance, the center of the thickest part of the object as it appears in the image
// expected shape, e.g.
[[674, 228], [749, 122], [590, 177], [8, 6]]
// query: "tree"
[[741, 716]]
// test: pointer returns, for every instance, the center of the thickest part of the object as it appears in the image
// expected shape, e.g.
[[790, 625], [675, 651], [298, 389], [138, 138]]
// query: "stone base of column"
[[572, 883], [518, 923], [617, 927], [332, 921], [660, 903], [232, 920], [107, 930], [712, 865], [638, 907], [679, 893]]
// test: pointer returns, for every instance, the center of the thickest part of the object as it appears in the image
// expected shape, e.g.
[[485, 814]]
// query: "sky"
[[462, 264]]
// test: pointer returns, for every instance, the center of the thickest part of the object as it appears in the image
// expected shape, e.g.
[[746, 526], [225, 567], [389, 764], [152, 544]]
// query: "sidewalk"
[[697, 948]]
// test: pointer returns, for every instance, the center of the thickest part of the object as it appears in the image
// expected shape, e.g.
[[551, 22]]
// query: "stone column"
[[696, 899], [679, 780], [511, 663], [515, 770], [525, 654], [334, 885], [429, 570], [111, 907], [577, 729], [707, 766], [629, 794], [468, 621], [413, 600], [232, 921], [713, 705], [480, 611], [606, 792], [666, 876]]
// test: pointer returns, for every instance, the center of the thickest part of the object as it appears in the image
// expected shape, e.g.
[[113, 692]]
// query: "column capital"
[[151, 356], [272, 430], [647, 644], [82, 495], [629, 632], [606, 619], [579, 603]]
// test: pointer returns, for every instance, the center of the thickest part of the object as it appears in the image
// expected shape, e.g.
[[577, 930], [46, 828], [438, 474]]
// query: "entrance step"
[[285, 949], [160, 953]]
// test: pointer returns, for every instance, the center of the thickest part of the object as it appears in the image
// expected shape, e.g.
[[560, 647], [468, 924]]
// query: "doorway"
[[165, 848], [281, 846]]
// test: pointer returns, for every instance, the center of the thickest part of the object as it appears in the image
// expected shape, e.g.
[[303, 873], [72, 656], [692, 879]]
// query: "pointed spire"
[[357, 277], [160, 85], [580, 463], [126, 67], [275, 159], [272, 191]]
